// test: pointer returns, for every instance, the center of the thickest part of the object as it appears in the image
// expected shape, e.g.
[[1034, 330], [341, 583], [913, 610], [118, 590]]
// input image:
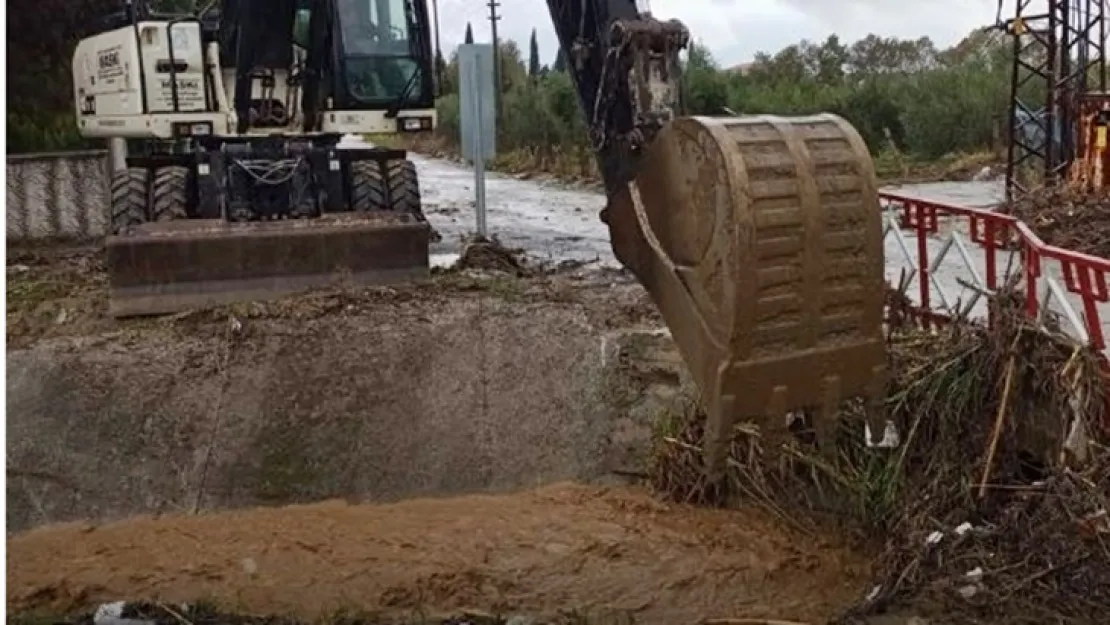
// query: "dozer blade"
[[760, 240], [171, 267]]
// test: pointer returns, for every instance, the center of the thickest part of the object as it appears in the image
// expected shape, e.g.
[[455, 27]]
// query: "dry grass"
[[983, 416], [576, 165], [570, 165], [895, 168]]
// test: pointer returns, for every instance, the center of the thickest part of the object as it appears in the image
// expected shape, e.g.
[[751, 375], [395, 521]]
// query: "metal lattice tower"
[[1059, 54]]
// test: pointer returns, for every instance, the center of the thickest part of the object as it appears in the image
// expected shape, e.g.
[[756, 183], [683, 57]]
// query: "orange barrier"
[[1083, 275]]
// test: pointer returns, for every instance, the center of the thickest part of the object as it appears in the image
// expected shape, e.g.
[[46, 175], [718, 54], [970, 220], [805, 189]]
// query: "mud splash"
[[564, 547]]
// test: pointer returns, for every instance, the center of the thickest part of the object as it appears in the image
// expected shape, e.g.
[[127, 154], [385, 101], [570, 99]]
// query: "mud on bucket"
[[760, 239]]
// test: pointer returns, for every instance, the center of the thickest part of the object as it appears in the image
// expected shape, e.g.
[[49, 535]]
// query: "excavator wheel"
[[404, 187], [404, 192], [392, 186], [368, 188], [760, 240], [169, 194], [129, 189]]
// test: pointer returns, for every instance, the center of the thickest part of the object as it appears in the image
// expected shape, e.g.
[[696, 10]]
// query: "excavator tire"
[[392, 186], [128, 202], [404, 187], [760, 240], [169, 194], [368, 188], [404, 192]]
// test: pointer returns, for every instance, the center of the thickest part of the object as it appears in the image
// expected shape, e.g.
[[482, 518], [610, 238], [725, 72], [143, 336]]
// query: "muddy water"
[[553, 222], [564, 547]]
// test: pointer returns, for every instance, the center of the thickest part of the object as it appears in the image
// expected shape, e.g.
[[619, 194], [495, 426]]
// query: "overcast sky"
[[736, 29]]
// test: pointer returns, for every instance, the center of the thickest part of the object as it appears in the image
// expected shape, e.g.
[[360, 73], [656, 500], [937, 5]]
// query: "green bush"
[[928, 103], [43, 132]]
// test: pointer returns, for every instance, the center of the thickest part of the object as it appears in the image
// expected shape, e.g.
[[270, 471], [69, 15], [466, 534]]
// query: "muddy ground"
[[563, 547], [59, 290], [356, 398], [470, 383]]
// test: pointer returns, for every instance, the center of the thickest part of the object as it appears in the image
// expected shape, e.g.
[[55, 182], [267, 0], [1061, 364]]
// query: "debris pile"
[[1068, 218], [994, 507], [490, 255]]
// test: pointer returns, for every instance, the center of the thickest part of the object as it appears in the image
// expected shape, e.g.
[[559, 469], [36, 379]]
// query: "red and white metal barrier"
[[924, 235]]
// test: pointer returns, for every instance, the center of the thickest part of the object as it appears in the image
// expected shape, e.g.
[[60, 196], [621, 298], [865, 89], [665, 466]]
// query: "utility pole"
[[438, 53], [493, 19]]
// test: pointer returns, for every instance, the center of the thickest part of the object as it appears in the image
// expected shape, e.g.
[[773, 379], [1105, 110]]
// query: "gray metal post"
[[480, 195], [477, 118], [479, 168]]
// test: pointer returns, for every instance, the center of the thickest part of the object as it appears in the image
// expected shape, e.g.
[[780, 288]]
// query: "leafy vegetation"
[[905, 96], [41, 37]]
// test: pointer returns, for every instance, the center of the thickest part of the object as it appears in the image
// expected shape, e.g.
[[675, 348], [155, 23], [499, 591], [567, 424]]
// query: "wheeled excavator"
[[758, 237]]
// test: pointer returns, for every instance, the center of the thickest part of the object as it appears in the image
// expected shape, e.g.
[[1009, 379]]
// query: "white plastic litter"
[[975, 574], [968, 591], [890, 440], [112, 614]]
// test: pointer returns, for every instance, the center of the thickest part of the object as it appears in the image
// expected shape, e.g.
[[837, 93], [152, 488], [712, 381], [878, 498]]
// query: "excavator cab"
[[361, 61], [380, 63]]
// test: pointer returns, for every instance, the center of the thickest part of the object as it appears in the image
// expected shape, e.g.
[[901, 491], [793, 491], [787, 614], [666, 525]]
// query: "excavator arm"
[[759, 238], [626, 69]]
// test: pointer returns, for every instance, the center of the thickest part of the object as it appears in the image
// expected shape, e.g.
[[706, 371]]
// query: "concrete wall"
[[379, 406], [57, 195]]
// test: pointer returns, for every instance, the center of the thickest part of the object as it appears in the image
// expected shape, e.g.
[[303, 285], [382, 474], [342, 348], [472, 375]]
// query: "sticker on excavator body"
[[760, 240]]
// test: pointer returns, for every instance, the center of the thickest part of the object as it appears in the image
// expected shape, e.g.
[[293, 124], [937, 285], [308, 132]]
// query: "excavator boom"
[[759, 238]]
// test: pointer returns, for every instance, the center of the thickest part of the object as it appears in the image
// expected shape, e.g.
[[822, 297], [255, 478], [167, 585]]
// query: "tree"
[[441, 72], [534, 57], [41, 37], [514, 73], [469, 34], [706, 86], [560, 61]]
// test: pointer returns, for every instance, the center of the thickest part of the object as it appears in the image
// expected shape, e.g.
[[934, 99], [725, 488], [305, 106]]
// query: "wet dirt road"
[[553, 222], [550, 221], [563, 547]]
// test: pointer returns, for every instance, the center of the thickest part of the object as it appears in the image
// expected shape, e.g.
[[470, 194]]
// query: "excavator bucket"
[[191, 264], [760, 240]]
